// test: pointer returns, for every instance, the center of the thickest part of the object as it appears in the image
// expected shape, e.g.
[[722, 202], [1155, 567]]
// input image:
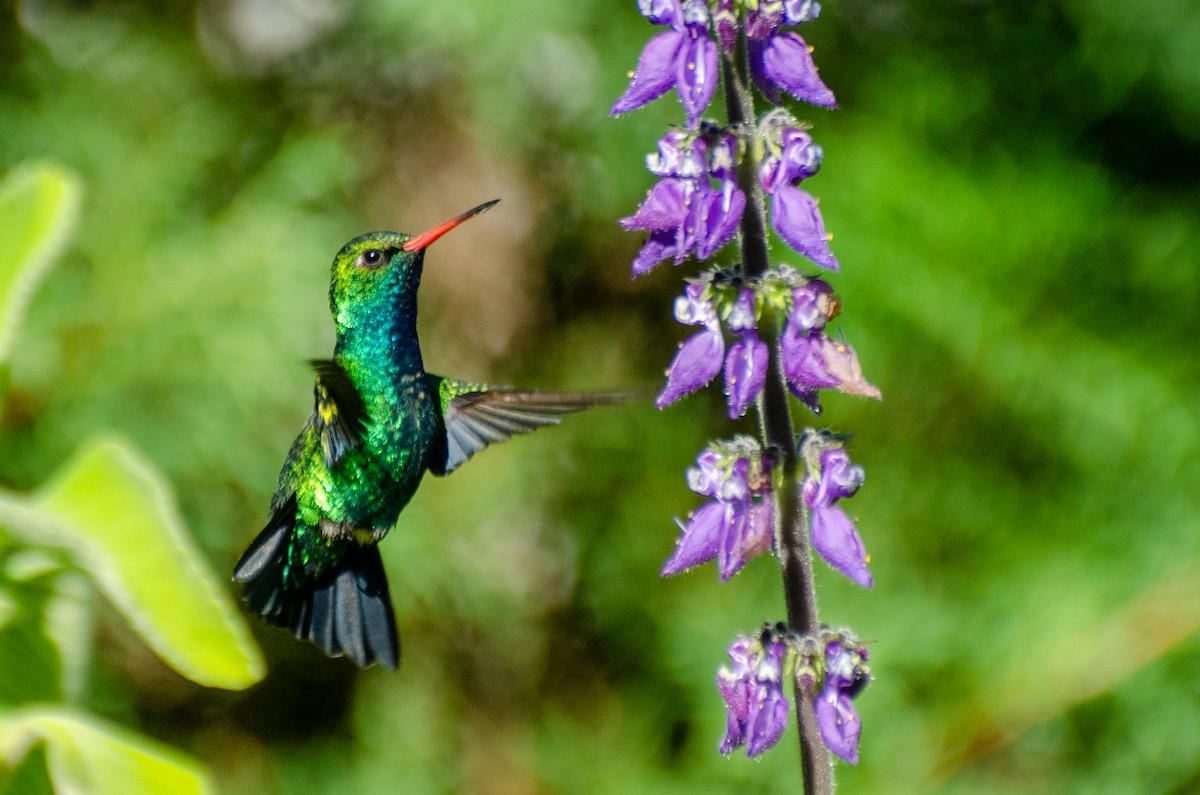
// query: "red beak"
[[424, 239]]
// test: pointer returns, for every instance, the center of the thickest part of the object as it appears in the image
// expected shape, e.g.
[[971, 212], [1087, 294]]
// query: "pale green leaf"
[[116, 514], [87, 757], [38, 208]]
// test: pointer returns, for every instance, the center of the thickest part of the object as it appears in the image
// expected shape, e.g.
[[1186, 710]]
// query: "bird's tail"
[[347, 610]]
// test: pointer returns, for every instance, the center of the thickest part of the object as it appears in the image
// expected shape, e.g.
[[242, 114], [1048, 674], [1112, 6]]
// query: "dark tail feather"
[[346, 611]]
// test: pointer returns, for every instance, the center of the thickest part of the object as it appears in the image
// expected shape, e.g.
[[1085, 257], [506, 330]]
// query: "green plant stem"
[[775, 425]]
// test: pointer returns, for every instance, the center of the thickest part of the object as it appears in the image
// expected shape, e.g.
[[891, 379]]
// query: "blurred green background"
[[1012, 190]]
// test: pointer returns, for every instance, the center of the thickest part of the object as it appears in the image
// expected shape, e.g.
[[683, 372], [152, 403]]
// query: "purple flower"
[[813, 305], [684, 58], [799, 158], [812, 360], [699, 358], [753, 692], [782, 60], [746, 362], [737, 689], [676, 157], [845, 676], [794, 212], [795, 216], [738, 523], [684, 213], [833, 533]]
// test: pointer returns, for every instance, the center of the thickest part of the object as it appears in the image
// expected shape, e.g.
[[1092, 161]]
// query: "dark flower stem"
[[775, 424]]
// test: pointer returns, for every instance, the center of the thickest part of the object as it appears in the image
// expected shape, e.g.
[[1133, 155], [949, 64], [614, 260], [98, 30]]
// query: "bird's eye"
[[371, 258]]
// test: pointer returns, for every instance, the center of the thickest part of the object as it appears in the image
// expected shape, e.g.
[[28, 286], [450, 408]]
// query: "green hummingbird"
[[379, 422]]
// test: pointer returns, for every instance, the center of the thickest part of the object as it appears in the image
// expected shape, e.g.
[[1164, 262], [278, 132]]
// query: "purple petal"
[[810, 488], [763, 21], [839, 478], [742, 658], [696, 77], [723, 215], [839, 724], [809, 397], [804, 366], [811, 306], [787, 62], [697, 362], [736, 689], [770, 665], [735, 487], [843, 365], [759, 535], [769, 718], [699, 540], [743, 314], [834, 537], [758, 72], [724, 159], [769, 172], [665, 206], [660, 12], [801, 157], [745, 373], [707, 476], [797, 11], [729, 557], [693, 309], [839, 667], [655, 73], [658, 247], [795, 216], [735, 732], [695, 225], [677, 158]]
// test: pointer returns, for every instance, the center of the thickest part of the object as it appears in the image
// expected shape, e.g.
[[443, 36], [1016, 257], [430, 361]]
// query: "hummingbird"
[[379, 423]]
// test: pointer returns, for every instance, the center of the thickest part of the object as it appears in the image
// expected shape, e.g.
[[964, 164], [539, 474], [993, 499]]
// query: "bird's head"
[[376, 272]]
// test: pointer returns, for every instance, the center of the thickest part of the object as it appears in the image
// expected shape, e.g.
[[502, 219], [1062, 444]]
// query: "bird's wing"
[[476, 415], [339, 413]]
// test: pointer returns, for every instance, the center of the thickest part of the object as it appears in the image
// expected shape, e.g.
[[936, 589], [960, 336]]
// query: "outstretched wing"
[[476, 415], [339, 413]]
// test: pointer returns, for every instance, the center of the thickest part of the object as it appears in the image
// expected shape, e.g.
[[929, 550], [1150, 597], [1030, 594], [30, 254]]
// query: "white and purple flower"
[[846, 674], [684, 58], [833, 533], [794, 213], [685, 214], [701, 356], [810, 358], [738, 523], [781, 59], [753, 693]]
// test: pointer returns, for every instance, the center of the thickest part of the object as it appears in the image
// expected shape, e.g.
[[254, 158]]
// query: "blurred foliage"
[[85, 756], [111, 515], [1013, 193]]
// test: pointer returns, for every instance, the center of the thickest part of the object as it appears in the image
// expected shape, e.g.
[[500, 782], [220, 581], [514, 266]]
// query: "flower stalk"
[[775, 425], [773, 493]]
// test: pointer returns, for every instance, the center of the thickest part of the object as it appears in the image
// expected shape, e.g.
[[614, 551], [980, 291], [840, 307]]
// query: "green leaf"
[[30, 664], [115, 513], [84, 755], [38, 208]]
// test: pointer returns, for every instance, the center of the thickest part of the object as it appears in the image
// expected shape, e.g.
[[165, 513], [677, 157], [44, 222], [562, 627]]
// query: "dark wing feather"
[[475, 416], [339, 413], [345, 611]]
